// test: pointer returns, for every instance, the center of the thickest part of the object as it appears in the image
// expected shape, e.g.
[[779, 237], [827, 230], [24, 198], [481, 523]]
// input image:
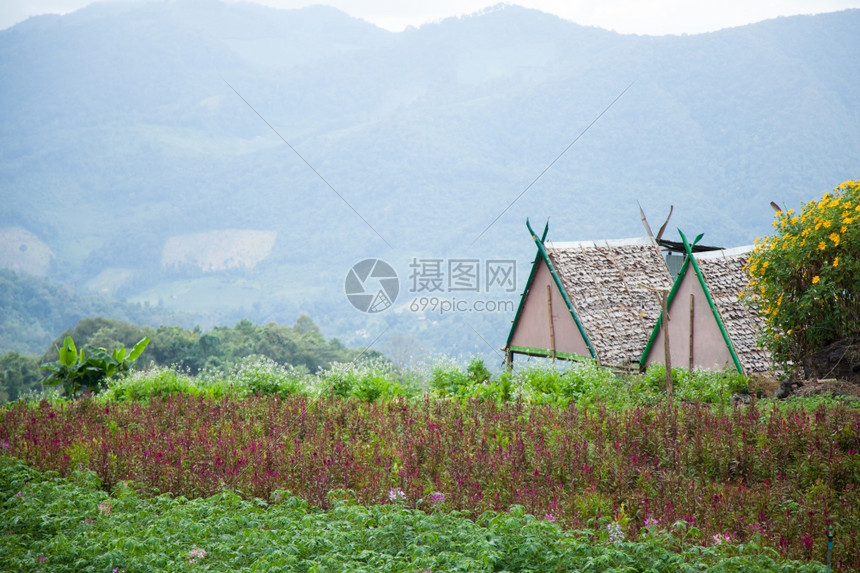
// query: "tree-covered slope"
[[124, 147]]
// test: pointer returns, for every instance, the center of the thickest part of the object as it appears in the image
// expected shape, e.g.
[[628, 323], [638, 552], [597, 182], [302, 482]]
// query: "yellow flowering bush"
[[805, 278]]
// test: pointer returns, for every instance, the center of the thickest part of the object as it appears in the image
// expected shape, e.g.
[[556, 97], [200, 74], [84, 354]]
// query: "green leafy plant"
[[803, 278], [90, 369]]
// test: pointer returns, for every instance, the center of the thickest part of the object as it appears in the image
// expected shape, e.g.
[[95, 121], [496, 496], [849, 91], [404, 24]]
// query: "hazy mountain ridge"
[[121, 133]]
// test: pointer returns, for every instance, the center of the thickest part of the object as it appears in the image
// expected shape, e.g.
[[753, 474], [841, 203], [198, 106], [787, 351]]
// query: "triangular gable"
[[533, 333], [709, 328], [695, 338], [546, 324]]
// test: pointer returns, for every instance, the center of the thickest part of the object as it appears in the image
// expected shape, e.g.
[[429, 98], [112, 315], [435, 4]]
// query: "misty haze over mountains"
[[131, 169]]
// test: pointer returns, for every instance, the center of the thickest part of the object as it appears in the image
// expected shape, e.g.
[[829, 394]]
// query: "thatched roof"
[[608, 283], [724, 274]]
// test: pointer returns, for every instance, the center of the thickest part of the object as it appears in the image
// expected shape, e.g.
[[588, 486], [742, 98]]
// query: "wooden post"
[[666, 348], [551, 327], [663, 293], [692, 311]]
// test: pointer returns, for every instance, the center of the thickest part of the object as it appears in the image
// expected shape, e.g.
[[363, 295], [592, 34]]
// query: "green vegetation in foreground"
[[582, 383], [70, 525]]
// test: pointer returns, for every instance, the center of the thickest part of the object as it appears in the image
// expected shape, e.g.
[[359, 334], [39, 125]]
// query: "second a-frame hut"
[[709, 327], [589, 299]]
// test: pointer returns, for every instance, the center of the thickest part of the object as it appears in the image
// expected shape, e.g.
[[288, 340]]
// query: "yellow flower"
[[818, 224], [822, 245], [794, 220], [835, 238], [836, 262], [826, 224], [815, 279], [804, 233], [843, 229]]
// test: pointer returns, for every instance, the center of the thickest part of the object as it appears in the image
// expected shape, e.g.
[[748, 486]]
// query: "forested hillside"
[[131, 169]]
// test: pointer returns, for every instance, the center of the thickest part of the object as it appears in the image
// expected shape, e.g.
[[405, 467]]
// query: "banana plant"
[[90, 369]]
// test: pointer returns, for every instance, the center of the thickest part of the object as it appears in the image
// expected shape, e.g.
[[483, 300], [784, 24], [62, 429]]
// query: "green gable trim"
[[711, 303], [557, 280], [544, 353], [525, 290], [656, 330], [690, 260]]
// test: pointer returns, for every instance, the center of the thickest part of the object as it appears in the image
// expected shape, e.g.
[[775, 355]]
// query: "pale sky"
[[654, 17]]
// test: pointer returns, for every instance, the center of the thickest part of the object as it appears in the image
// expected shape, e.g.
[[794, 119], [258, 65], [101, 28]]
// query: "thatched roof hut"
[[589, 299]]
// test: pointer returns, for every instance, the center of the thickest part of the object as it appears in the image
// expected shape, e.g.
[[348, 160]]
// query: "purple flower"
[[437, 497], [196, 554], [549, 517], [651, 522], [616, 534], [396, 494], [721, 538]]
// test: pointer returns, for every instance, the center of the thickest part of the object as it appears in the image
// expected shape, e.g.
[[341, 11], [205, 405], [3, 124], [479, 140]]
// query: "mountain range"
[[233, 161]]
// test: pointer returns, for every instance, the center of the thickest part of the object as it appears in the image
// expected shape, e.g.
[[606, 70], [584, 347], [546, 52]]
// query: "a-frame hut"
[[589, 299], [709, 327]]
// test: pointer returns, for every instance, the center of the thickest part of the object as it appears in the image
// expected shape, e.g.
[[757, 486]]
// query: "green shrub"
[[262, 375], [691, 386], [155, 381], [366, 380], [448, 379]]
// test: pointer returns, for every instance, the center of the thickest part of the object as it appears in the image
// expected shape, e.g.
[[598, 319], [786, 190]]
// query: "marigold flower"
[[815, 279], [836, 262], [835, 238], [822, 245]]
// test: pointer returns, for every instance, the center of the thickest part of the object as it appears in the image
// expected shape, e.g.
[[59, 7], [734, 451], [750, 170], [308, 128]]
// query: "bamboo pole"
[[666, 347], [551, 327], [692, 313]]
